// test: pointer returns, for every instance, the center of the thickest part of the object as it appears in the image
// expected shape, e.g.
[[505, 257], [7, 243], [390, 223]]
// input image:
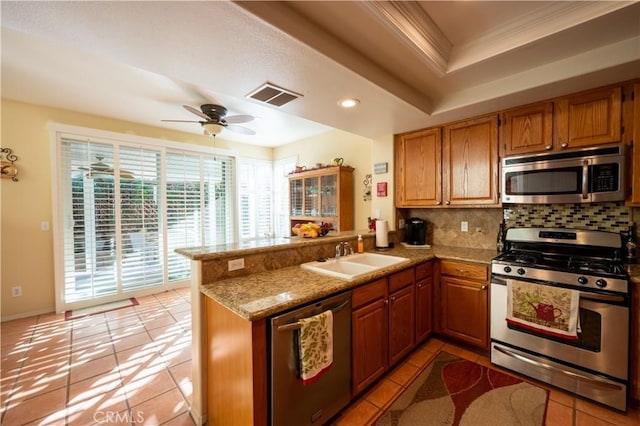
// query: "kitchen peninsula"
[[230, 311]]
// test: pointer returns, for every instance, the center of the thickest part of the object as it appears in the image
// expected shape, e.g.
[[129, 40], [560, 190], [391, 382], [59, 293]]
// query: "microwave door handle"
[[585, 179]]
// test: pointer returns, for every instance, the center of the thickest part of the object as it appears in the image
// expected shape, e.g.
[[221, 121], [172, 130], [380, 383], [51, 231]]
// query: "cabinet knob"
[[448, 202], [548, 147], [564, 145], [419, 285], [484, 287], [393, 298], [438, 202], [386, 301]]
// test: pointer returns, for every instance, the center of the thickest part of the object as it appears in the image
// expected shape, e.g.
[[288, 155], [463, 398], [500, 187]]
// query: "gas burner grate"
[[594, 265], [523, 257]]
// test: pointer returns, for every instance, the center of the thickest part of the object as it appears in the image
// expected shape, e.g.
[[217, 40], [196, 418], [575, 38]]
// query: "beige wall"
[[26, 251], [356, 152]]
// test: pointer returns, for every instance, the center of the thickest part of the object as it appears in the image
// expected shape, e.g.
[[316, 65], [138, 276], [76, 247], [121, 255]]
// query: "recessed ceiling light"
[[348, 103]]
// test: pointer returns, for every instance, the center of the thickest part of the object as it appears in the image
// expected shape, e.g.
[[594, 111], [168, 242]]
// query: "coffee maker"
[[415, 231]]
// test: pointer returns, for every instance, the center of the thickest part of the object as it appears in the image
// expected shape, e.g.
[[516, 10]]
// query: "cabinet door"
[[635, 153], [464, 310], [589, 118], [329, 195], [470, 162], [528, 129], [311, 188], [424, 300], [401, 323], [418, 169], [369, 340], [295, 197]]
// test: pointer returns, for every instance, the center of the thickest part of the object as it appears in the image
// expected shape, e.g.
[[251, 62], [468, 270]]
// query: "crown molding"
[[415, 28], [546, 21]]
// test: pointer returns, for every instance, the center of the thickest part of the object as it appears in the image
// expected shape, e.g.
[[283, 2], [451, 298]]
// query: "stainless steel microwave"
[[577, 176]]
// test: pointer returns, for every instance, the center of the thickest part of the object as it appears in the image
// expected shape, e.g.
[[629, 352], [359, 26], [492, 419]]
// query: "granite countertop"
[[264, 294]]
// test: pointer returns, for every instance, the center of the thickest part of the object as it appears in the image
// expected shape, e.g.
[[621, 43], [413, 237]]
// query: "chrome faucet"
[[343, 249]]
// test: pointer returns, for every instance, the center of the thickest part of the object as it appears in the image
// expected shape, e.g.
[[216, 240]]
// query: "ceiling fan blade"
[[196, 112], [181, 121], [238, 119], [240, 129]]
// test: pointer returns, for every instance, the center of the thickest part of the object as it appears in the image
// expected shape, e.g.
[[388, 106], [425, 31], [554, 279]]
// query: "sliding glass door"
[[125, 209]]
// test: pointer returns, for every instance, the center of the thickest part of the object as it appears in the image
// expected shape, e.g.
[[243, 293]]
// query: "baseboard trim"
[[27, 314]]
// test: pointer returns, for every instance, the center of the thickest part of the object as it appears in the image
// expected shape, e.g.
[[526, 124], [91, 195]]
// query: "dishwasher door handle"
[[296, 325]]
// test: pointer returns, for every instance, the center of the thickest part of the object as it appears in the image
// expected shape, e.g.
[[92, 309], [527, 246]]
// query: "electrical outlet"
[[464, 226], [401, 223], [236, 264], [44, 225], [16, 291], [478, 229]]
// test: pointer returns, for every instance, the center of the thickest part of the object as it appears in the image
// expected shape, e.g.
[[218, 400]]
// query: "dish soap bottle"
[[360, 244]]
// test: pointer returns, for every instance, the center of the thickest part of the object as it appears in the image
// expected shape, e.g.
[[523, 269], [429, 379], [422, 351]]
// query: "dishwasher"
[[291, 402]]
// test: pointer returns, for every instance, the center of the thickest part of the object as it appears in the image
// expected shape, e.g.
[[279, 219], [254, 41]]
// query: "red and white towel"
[[544, 309], [315, 346]]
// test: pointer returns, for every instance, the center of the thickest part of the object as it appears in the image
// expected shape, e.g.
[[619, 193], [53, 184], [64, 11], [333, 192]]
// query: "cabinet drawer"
[[424, 270], [466, 270], [369, 292], [401, 279]]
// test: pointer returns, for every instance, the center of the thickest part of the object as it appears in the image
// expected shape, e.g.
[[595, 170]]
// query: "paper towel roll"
[[382, 233]]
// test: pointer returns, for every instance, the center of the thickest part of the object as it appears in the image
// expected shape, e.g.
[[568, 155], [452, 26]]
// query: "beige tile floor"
[[132, 366], [128, 366]]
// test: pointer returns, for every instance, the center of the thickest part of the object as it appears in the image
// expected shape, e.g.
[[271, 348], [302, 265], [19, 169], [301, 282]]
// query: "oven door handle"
[[585, 179], [571, 374], [297, 324], [602, 297]]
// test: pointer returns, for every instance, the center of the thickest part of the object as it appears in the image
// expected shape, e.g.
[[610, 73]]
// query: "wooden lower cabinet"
[[464, 300], [369, 325], [402, 323], [384, 322]]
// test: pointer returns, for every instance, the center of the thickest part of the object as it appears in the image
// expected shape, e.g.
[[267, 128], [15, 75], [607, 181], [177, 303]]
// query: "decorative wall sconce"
[[8, 169], [367, 187]]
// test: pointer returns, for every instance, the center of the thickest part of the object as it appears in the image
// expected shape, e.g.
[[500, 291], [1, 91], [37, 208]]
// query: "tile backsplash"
[[612, 217], [443, 225]]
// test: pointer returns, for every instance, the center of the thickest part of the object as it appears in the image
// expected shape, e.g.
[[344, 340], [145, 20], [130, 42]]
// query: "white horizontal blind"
[[141, 235], [281, 170], [184, 210], [218, 200], [89, 220], [255, 192], [119, 234]]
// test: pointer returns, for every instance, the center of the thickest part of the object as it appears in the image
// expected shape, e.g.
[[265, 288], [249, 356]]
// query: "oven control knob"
[[601, 283], [507, 269], [520, 271], [583, 280]]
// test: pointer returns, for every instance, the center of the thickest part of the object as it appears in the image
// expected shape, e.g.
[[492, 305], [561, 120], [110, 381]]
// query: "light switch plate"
[[464, 226]]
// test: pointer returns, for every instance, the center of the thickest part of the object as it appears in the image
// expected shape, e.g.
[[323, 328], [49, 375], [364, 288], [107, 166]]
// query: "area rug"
[[99, 309], [454, 391]]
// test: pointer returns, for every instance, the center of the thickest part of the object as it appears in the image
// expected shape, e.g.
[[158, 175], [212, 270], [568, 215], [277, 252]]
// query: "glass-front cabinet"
[[323, 195]]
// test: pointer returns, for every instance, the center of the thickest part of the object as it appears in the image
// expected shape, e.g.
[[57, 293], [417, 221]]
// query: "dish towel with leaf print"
[[315, 346], [543, 308]]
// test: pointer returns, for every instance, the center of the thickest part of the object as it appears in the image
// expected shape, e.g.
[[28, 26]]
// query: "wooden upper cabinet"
[[418, 169], [470, 162], [589, 118], [527, 129]]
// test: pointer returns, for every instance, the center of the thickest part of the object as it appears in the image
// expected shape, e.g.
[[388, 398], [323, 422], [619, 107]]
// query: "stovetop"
[[586, 260]]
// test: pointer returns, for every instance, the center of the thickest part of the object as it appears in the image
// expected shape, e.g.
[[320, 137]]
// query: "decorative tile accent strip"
[[612, 217]]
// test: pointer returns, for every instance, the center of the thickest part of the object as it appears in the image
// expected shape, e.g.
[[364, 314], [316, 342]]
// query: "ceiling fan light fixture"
[[349, 103], [213, 128]]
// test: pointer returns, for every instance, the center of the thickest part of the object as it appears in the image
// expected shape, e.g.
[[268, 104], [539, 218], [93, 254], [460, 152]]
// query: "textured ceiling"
[[140, 61]]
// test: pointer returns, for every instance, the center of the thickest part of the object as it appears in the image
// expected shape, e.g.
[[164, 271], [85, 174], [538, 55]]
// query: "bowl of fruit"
[[310, 229]]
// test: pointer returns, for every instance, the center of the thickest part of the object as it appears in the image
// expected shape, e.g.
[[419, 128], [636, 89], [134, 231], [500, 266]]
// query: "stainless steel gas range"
[[560, 302]]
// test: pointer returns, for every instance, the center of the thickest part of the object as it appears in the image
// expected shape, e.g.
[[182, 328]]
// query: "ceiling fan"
[[103, 169], [215, 120]]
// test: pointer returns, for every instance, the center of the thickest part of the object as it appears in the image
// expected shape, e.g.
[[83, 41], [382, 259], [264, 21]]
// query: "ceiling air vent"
[[273, 95]]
